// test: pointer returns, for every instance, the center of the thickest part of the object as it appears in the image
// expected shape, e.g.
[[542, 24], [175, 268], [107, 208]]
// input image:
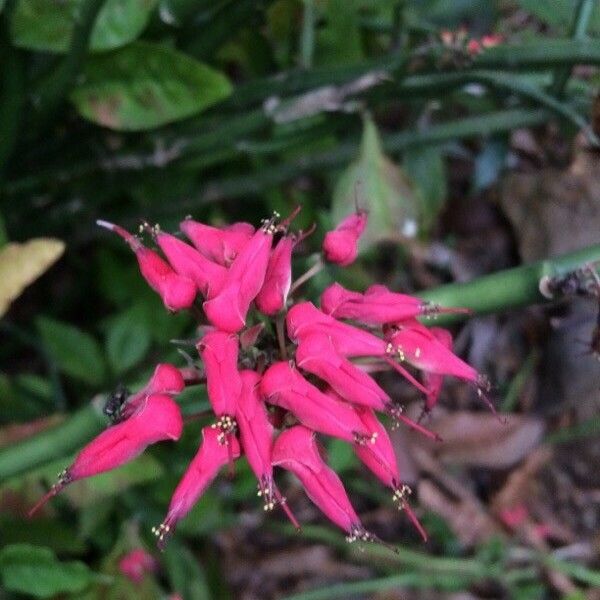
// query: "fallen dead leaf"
[[482, 440], [22, 264], [466, 516]]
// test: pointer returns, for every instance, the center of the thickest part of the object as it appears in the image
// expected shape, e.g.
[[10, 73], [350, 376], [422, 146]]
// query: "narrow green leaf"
[[339, 41], [47, 25], [36, 571], [559, 13], [77, 353], [381, 187], [127, 342], [146, 85], [185, 572]]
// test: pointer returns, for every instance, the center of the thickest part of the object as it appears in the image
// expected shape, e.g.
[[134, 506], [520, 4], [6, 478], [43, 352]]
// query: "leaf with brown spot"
[[145, 85]]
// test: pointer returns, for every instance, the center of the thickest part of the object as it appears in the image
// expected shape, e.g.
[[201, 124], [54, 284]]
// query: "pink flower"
[[135, 564], [208, 276], [256, 435], [283, 386], [204, 467], [433, 381], [418, 346], [377, 305], [317, 355], [176, 291], [278, 279], [227, 310], [219, 353], [380, 459], [305, 318], [296, 450], [340, 246], [157, 418], [220, 245], [166, 379]]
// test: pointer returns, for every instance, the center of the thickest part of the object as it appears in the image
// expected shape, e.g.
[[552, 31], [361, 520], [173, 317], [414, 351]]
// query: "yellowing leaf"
[[22, 264]]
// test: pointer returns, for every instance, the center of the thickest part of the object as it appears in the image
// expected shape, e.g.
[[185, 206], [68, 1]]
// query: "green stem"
[[466, 567], [307, 40], [53, 91], [256, 183], [508, 289], [52, 444], [581, 20], [67, 437]]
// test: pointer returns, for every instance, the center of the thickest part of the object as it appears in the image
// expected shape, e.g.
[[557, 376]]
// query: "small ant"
[[114, 403]]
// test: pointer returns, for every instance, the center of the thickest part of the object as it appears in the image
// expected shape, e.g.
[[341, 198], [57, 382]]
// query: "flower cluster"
[[271, 403]]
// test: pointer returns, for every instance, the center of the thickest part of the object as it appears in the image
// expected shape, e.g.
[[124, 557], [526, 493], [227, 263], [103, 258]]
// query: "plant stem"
[[53, 91], [52, 444], [314, 270], [582, 17], [508, 289]]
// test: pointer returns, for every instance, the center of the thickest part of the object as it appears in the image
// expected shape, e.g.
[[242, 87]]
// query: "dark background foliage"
[[469, 162]]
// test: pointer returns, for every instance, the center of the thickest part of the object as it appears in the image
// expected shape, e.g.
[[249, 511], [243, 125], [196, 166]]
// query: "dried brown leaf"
[[21, 264], [482, 440]]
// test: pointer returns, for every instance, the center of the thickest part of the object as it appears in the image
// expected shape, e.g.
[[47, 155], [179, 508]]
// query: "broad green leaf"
[[77, 353], [36, 571], [339, 41], [427, 170], [21, 264], [127, 341], [146, 85], [381, 187], [560, 13], [47, 25]]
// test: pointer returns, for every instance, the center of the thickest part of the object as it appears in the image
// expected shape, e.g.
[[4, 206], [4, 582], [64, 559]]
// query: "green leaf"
[[36, 571], [77, 353], [381, 187], [559, 13], [185, 572], [339, 41], [127, 341], [145, 85], [47, 25], [428, 172]]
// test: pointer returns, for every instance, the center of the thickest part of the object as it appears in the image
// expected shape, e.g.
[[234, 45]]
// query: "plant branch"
[[508, 289]]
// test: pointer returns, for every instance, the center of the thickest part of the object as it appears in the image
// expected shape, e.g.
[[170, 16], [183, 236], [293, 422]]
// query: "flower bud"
[[135, 564], [166, 379], [176, 291], [340, 246]]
